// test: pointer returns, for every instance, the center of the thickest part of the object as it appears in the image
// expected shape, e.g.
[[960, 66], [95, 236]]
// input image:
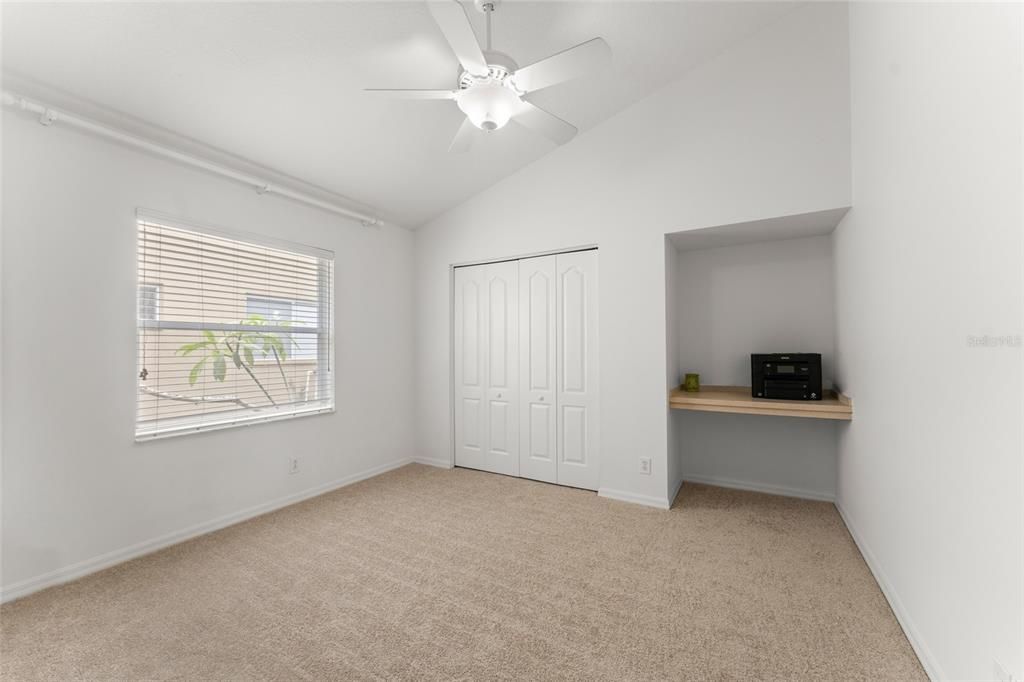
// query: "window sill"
[[230, 423]]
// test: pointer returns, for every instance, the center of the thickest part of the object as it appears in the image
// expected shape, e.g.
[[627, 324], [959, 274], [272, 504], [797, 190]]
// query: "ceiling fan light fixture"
[[488, 106], [491, 86]]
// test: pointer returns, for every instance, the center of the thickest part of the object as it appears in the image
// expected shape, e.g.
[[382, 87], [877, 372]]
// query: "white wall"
[[780, 455], [673, 377], [760, 131], [765, 297], [930, 255], [75, 486]]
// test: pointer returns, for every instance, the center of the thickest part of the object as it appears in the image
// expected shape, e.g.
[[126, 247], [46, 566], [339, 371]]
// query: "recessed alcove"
[[763, 286]]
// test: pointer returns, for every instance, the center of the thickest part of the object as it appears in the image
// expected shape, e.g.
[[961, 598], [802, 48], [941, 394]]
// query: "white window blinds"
[[231, 330]]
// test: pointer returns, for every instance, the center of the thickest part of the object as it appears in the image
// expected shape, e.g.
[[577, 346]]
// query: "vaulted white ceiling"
[[280, 84]]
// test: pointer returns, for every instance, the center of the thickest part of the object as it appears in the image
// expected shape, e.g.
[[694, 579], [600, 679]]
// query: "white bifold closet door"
[[538, 450], [576, 367], [487, 367], [525, 336]]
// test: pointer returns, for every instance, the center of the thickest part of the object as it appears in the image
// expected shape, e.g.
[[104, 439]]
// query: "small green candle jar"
[[691, 383]]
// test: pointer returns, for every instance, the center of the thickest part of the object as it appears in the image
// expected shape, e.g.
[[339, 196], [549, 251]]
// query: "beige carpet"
[[424, 573]]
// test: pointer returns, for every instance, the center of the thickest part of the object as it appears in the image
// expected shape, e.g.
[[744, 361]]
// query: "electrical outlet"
[[293, 465], [645, 465]]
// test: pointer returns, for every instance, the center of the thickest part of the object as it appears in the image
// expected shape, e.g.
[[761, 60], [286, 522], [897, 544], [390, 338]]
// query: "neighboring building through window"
[[149, 301], [294, 313], [231, 329]]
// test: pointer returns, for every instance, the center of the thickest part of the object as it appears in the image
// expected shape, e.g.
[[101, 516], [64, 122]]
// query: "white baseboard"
[[675, 491], [754, 486], [434, 462], [626, 496], [83, 568], [924, 654]]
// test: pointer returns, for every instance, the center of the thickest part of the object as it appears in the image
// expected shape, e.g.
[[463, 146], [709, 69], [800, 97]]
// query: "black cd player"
[[786, 376]]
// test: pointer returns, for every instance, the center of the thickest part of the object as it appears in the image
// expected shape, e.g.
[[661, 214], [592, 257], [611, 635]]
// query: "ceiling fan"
[[491, 86]]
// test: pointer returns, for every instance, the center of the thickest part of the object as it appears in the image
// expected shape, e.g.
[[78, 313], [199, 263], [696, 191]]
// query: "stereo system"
[[786, 376]]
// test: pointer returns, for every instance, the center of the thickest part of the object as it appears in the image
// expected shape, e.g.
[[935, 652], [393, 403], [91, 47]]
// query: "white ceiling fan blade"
[[463, 139], [451, 18], [412, 94], [572, 63], [545, 123]]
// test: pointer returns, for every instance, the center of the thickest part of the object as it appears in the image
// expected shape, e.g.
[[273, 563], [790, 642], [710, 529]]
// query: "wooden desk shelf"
[[737, 400]]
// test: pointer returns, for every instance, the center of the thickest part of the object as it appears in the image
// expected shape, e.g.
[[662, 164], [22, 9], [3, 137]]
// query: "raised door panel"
[[574, 435], [578, 460], [468, 332], [501, 454], [537, 446], [573, 354]]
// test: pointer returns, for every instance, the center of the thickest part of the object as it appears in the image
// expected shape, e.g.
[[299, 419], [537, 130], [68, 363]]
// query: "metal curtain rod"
[[49, 115]]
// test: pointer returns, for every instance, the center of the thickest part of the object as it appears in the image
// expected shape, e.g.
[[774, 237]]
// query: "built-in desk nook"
[[739, 299]]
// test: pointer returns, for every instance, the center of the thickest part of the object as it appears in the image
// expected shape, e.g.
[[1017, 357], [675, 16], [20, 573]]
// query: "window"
[[231, 330]]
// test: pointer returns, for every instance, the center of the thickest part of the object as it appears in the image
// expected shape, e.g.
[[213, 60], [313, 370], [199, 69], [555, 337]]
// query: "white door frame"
[[451, 326]]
